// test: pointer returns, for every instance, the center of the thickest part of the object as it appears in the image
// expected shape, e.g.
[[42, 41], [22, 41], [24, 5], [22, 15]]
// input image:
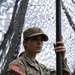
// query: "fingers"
[[59, 47], [60, 43]]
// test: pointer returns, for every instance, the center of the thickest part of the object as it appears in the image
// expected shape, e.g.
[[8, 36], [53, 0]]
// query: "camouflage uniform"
[[24, 66]]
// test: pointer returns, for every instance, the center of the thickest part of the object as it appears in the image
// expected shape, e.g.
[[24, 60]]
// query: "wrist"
[[64, 60]]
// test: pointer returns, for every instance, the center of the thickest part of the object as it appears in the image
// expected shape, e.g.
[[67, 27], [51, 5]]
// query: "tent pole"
[[58, 37]]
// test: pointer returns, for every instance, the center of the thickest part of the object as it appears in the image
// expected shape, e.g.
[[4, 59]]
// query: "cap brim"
[[45, 37]]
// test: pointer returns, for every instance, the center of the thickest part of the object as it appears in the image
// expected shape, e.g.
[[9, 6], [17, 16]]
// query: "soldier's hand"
[[59, 47]]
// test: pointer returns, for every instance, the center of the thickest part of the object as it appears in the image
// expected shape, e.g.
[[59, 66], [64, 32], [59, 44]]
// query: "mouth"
[[39, 47]]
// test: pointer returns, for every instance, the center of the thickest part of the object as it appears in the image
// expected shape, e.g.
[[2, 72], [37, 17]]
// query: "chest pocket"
[[32, 71], [44, 70], [27, 69]]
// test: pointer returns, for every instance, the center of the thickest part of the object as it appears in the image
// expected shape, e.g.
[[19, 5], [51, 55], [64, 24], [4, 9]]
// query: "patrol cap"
[[34, 31]]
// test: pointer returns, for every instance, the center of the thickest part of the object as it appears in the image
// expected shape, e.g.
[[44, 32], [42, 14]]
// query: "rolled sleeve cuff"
[[66, 69]]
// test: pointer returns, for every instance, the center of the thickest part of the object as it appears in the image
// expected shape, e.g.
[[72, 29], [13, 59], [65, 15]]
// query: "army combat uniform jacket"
[[24, 66]]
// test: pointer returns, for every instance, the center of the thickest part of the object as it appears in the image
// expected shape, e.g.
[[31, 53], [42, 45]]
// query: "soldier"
[[27, 64]]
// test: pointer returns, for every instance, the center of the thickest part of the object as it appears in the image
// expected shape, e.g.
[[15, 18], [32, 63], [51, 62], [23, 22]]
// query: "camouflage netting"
[[42, 13]]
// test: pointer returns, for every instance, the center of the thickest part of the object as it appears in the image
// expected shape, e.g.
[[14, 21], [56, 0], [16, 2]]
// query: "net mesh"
[[42, 13]]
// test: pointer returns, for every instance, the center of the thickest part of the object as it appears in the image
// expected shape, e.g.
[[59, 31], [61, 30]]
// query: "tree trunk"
[[69, 18], [15, 35], [73, 73]]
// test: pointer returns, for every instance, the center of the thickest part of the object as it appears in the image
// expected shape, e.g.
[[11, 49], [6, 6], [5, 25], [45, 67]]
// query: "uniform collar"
[[30, 62]]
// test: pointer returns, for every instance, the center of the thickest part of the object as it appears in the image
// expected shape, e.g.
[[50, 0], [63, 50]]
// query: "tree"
[[13, 35], [73, 73], [68, 17]]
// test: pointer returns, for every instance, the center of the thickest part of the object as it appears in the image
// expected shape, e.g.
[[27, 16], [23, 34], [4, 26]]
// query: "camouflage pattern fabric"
[[24, 66]]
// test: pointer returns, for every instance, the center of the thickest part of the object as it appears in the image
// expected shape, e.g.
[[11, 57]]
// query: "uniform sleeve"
[[16, 67], [12, 73], [47, 71], [66, 70], [15, 70]]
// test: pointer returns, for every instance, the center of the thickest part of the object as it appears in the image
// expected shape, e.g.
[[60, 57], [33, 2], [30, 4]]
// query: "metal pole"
[[58, 37]]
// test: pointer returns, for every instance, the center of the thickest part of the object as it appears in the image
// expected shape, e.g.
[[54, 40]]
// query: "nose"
[[40, 41]]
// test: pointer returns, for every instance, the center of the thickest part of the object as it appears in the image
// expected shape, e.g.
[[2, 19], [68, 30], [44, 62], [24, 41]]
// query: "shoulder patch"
[[17, 69]]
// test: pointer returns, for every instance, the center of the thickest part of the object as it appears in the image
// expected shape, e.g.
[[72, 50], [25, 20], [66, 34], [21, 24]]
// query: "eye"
[[36, 38], [41, 40], [33, 38]]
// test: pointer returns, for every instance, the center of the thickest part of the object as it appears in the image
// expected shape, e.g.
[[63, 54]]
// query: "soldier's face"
[[34, 44]]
